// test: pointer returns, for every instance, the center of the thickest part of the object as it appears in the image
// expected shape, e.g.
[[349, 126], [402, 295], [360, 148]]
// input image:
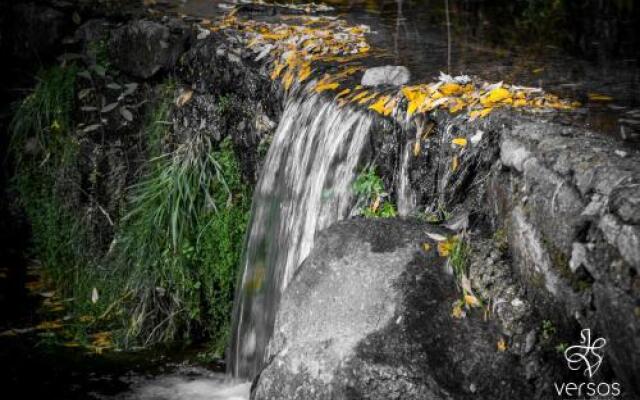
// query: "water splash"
[[306, 185], [406, 195], [187, 383]]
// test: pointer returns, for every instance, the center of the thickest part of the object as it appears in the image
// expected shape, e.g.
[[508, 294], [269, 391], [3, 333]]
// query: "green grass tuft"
[[181, 242]]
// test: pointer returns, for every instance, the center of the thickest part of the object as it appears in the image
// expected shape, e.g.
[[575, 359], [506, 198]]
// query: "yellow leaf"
[[462, 142], [450, 88], [519, 103], [287, 80], [480, 113], [456, 105], [380, 106], [502, 345], [375, 204], [359, 96], [71, 344], [305, 72], [454, 163], [599, 97], [367, 98], [416, 148], [426, 246], [277, 69], [415, 97], [446, 246], [495, 96], [343, 93], [49, 325], [471, 300], [457, 311], [322, 86], [184, 97], [274, 36]]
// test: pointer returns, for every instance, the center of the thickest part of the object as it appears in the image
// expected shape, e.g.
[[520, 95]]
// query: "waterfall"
[[305, 186], [406, 196]]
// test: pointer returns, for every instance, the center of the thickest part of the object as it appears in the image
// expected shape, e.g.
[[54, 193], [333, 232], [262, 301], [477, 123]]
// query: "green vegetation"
[[45, 115], [181, 242], [548, 330], [97, 50], [171, 270], [44, 152], [438, 216], [459, 259], [369, 188]]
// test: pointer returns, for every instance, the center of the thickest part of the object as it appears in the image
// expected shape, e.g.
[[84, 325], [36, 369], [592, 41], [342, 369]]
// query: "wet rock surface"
[[563, 198], [251, 103], [142, 48], [368, 315]]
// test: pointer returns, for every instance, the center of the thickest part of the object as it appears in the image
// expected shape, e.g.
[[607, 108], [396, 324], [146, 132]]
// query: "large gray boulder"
[[368, 315]]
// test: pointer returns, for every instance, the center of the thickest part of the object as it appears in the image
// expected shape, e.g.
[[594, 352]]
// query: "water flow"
[[406, 195], [305, 186]]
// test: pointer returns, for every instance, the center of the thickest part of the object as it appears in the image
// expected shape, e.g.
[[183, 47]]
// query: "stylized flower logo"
[[586, 353]]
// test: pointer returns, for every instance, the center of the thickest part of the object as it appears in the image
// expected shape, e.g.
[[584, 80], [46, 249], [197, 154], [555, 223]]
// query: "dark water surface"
[[585, 50]]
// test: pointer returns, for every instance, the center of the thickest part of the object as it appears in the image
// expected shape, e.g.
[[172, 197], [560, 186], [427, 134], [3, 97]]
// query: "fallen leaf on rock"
[[49, 325], [184, 97], [502, 345], [416, 148], [457, 312], [599, 97], [321, 87], [462, 142], [471, 300], [445, 247], [454, 163]]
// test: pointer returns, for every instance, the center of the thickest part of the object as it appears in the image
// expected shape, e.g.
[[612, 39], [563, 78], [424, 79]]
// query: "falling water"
[[406, 196], [305, 186]]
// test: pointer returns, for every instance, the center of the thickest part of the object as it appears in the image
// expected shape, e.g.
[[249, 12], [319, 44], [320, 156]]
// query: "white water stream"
[[305, 186]]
